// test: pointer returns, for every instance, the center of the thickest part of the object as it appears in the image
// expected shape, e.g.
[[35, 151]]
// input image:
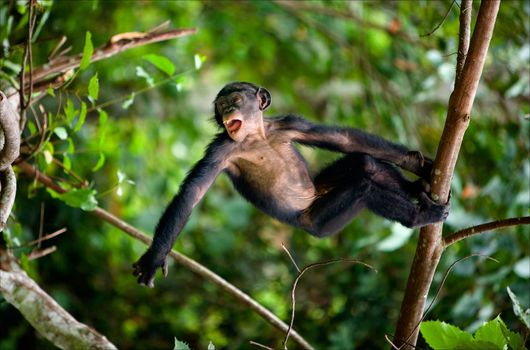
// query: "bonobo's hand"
[[415, 162], [145, 268]]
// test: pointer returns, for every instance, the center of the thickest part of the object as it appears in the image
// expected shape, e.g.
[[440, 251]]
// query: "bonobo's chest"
[[275, 170]]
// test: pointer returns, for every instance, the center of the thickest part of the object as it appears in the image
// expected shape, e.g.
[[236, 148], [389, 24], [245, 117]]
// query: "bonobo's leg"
[[357, 181]]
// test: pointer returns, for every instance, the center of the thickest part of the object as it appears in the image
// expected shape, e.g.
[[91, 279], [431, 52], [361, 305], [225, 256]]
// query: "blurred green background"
[[358, 64]]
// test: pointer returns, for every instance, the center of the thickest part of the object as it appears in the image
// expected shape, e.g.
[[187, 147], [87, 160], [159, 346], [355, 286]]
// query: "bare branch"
[[430, 245], [475, 230], [466, 9], [185, 261], [115, 45], [47, 316]]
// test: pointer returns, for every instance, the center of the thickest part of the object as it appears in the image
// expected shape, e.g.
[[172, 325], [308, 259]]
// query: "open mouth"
[[232, 125]]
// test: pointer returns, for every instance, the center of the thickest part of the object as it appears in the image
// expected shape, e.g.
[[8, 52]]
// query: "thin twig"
[[260, 345], [475, 230], [185, 261], [299, 276], [441, 22], [291, 257]]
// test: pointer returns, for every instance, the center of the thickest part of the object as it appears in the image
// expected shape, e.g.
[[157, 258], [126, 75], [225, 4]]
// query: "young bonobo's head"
[[239, 109]]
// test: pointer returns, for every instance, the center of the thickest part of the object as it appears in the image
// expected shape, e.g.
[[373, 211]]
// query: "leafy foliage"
[[492, 335]]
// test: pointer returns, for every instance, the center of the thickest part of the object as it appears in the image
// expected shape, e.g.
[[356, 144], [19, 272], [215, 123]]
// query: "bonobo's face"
[[239, 109]]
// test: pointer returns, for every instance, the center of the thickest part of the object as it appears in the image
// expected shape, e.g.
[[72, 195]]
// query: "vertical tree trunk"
[[430, 245]]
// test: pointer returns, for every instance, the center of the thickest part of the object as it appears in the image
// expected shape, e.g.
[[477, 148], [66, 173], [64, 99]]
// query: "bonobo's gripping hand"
[[145, 268], [415, 162]]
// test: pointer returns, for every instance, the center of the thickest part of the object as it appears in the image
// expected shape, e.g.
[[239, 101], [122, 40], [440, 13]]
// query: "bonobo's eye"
[[222, 104], [236, 99]]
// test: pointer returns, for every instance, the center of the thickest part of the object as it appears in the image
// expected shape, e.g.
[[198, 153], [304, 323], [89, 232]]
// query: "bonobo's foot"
[[145, 268], [430, 211]]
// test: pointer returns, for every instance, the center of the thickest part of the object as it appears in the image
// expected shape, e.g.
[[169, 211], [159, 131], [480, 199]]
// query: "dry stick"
[[430, 244], [67, 63], [180, 258], [475, 230]]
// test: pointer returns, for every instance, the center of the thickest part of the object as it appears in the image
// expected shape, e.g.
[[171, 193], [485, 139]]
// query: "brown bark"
[[430, 244]]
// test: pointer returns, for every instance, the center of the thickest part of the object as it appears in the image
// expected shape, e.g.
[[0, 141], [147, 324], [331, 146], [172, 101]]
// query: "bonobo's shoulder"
[[288, 121], [221, 142]]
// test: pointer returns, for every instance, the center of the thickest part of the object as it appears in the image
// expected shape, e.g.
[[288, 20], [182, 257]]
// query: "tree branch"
[[115, 45], [475, 230], [47, 316], [430, 245], [466, 8], [187, 262]]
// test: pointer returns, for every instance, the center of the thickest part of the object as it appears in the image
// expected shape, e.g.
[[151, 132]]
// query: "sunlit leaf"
[[523, 315], [441, 335], [199, 60], [69, 112], [93, 87], [84, 198], [88, 50], [128, 102], [100, 163], [67, 163], [180, 345], [491, 332], [82, 117], [60, 132], [143, 74], [161, 62]]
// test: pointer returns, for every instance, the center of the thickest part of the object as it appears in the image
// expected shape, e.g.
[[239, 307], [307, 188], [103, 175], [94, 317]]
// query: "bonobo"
[[259, 156]]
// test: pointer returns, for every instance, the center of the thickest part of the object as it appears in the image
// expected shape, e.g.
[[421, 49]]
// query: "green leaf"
[[103, 117], [88, 50], [491, 332], [441, 335], [93, 87], [180, 345], [476, 345], [67, 163], [524, 316], [143, 74], [82, 117], [31, 127], [71, 146], [60, 132], [128, 102], [199, 60], [514, 340], [99, 164], [84, 198], [50, 92], [69, 111], [161, 62]]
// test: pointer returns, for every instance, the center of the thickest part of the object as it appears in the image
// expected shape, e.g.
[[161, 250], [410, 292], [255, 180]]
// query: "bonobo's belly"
[[275, 184]]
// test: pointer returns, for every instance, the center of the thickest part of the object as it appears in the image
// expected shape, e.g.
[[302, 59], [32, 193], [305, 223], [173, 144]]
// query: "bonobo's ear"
[[264, 98]]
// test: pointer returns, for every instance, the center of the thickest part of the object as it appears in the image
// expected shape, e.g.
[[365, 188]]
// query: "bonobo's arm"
[[349, 140], [197, 182]]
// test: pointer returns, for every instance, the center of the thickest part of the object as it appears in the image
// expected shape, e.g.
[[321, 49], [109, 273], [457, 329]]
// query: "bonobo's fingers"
[[145, 268]]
